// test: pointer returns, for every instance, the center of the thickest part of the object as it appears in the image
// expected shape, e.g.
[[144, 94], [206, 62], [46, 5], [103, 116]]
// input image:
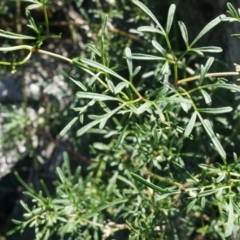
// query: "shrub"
[[159, 169]]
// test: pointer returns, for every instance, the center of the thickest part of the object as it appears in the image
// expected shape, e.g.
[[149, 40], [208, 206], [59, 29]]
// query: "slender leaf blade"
[[208, 49], [190, 125], [191, 205], [232, 10], [96, 96], [230, 222], [93, 49], [69, 125], [206, 96], [11, 35], [170, 17], [184, 171], [208, 128], [184, 32], [78, 83], [144, 107], [120, 87], [111, 86], [103, 68], [87, 127], [159, 47], [149, 184], [205, 69], [128, 55], [149, 29], [215, 110], [208, 27], [140, 56], [149, 13], [208, 192]]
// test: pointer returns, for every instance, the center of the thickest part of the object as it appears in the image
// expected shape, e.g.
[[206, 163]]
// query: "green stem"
[[162, 179], [219, 74], [17, 63], [46, 19], [32, 49], [174, 58]]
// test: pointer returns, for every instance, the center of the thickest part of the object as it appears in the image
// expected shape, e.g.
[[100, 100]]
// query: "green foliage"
[[160, 159]]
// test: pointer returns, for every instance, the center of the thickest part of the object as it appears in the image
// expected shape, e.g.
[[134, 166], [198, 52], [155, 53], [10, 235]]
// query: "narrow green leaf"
[[176, 99], [233, 87], [205, 69], [103, 68], [190, 125], [61, 175], [170, 17], [98, 120], [148, 184], [96, 96], [125, 180], [208, 128], [30, 1], [136, 71], [25, 206], [111, 86], [207, 192], [208, 49], [206, 96], [236, 35], [23, 183], [221, 177], [149, 29], [184, 32], [69, 125], [215, 110], [236, 208], [203, 202], [47, 234], [35, 196], [232, 10], [230, 222], [140, 56], [112, 182], [191, 205], [184, 171], [208, 167], [185, 106], [85, 128], [33, 6], [149, 13], [196, 51], [93, 78], [144, 107], [159, 47], [11, 35], [120, 87], [104, 206], [78, 83], [104, 23], [108, 115], [128, 55], [208, 27], [31, 21], [164, 72], [165, 195], [16, 222], [229, 19], [122, 135], [93, 49]]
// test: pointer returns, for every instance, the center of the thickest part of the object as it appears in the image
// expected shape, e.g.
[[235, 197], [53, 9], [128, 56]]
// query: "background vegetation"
[[114, 137]]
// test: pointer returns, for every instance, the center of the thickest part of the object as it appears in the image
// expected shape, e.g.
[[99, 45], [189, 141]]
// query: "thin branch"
[[218, 74]]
